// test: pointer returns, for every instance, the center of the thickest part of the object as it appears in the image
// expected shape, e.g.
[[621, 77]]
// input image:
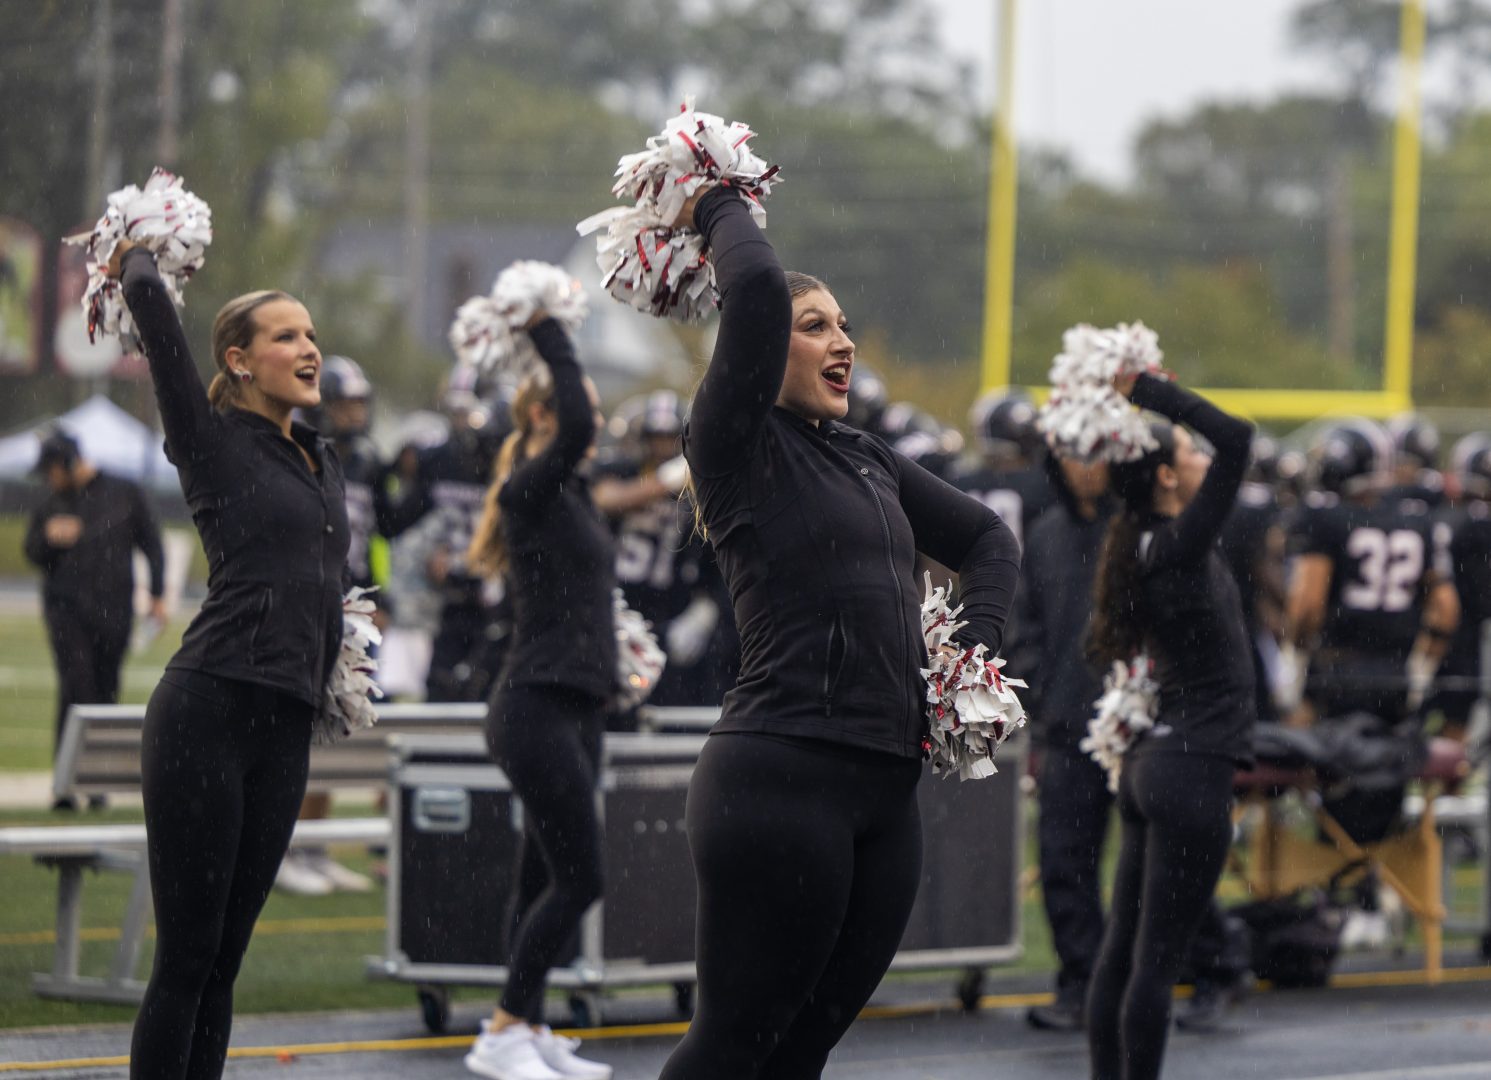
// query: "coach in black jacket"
[[1052, 608], [82, 537]]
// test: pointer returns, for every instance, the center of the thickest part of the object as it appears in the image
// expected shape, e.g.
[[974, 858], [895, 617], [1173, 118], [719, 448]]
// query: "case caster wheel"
[[583, 1011], [683, 999], [970, 989], [434, 1008]]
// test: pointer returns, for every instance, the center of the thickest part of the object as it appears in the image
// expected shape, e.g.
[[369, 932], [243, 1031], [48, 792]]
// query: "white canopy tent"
[[109, 437]]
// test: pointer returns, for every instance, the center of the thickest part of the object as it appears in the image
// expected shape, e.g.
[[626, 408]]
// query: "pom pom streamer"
[[488, 334], [164, 218], [972, 707], [639, 658], [645, 261], [1085, 417], [348, 705], [1127, 709]]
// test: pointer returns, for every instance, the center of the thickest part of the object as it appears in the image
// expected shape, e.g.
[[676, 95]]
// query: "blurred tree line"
[[1253, 236]]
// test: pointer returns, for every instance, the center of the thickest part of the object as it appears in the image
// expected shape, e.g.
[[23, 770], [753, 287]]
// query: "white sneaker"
[[559, 1054], [511, 1054], [297, 877], [342, 878]]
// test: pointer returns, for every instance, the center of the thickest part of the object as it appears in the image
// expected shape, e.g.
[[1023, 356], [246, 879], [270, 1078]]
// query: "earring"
[[246, 376]]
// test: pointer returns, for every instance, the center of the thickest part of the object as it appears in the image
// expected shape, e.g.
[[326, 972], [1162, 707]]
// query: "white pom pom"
[[1127, 709], [971, 706], [639, 658], [348, 705], [488, 334], [1085, 417], [163, 218], [645, 261]]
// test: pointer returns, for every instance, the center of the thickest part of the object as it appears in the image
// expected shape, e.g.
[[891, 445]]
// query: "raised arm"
[[960, 532], [1199, 525], [541, 478], [750, 353], [187, 417]]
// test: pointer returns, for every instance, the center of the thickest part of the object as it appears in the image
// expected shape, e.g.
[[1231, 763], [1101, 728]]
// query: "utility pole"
[[103, 82], [999, 268], [173, 40], [417, 173]]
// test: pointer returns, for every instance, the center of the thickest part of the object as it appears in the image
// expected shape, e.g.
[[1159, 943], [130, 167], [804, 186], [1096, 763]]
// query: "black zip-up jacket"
[[561, 558], [275, 532], [94, 579], [1189, 601], [817, 527], [1052, 611]]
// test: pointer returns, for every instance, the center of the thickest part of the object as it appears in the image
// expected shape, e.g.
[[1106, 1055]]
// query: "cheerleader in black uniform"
[[227, 732], [547, 712], [802, 814], [1163, 588]]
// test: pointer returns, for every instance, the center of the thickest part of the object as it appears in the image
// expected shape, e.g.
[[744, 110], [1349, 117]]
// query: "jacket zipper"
[[890, 560]]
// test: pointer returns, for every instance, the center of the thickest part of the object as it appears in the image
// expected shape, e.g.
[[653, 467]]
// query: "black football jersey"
[[1018, 497], [1381, 559], [658, 555]]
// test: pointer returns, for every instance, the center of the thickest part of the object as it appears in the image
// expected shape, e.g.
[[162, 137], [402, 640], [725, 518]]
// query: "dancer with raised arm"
[[802, 813], [228, 730], [1164, 592], [546, 718]]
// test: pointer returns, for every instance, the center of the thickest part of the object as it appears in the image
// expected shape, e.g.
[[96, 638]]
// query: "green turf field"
[[28, 687]]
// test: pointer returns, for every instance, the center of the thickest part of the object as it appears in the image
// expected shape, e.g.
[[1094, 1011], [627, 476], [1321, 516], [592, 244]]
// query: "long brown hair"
[[1116, 630], [798, 283], [487, 553], [234, 328]]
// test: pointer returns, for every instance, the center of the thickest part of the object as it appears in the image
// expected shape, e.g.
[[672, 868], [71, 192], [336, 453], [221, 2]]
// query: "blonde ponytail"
[[487, 553]]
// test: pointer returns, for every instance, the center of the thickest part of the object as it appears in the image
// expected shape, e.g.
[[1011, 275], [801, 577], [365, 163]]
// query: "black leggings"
[[548, 742], [808, 856], [1176, 819], [223, 765]]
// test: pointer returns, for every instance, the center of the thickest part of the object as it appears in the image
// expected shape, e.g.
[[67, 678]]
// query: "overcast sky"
[[1089, 73]]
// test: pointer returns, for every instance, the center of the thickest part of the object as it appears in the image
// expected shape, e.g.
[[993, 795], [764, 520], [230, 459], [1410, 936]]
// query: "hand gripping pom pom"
[[164, 218], [971, 706], [487, 333], [1085, 417], [348, 705], [647, 262], [1127, 709], [639, 658]]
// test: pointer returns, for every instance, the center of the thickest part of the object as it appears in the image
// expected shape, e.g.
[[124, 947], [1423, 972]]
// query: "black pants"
[[1175, 811], [88, 656], [548, 742], [808, 857], [1075, 805], [224, 770]]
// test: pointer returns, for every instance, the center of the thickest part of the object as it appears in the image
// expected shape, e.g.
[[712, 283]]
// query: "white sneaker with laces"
[[297, 877], [510, 1054], [559, 1054], [342, 878]]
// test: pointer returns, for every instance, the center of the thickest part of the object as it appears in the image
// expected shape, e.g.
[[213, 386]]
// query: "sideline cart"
[[455, 827]]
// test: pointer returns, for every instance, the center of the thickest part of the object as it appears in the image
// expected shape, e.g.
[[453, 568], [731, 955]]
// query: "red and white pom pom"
[[487, 333], [348, 705], [639, 658], [971, 706], [1127, 709], [1085, 417], [645, 261], [164, 218]]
